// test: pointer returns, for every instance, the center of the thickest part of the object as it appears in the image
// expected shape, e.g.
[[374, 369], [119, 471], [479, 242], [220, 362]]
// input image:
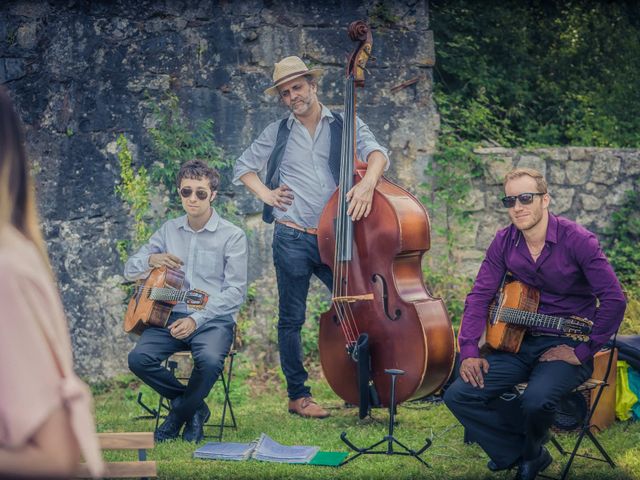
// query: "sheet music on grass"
[[264, 448]]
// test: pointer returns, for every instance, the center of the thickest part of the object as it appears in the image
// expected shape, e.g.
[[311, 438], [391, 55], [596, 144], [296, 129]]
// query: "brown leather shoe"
[[307, 407]]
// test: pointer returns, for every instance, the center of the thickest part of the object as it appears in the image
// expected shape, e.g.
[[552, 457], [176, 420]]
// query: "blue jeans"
[[209, 347], [296, 258]]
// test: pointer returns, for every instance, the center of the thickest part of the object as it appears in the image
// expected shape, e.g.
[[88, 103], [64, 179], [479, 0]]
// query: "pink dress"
[[36, 364]]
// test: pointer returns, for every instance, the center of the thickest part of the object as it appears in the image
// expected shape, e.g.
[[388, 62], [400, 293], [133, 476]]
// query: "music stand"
[[389, 439]]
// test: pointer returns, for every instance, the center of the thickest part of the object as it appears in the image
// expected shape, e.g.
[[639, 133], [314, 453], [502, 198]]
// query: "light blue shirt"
[[305, 164], [215, 261]]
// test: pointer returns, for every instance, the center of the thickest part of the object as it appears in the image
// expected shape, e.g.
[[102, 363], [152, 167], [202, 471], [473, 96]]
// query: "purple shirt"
[[571, 273]]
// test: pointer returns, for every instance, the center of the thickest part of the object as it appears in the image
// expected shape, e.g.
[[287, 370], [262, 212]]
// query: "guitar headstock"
[[577, 328], [196, 299]]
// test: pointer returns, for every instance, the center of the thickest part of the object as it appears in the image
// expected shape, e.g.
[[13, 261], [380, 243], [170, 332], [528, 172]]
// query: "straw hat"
[[289, 68]]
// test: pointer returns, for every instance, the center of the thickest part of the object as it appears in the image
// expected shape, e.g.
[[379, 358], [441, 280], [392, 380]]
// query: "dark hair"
[[17, 195], [196, 170]]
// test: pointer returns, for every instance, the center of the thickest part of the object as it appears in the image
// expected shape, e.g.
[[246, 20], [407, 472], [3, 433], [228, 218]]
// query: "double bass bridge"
[[353, 298]]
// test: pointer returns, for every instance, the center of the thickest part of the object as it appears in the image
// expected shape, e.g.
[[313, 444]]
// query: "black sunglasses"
[[523, 198], [187, 191]]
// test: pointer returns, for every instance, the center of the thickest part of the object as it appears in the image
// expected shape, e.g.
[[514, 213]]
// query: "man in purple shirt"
[[565, 263]]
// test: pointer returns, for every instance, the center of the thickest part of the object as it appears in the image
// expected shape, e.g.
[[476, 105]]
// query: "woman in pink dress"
[[46, 421]]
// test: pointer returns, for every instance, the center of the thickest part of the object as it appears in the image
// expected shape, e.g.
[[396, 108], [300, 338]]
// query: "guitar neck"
[[167, 294], [527, 319]]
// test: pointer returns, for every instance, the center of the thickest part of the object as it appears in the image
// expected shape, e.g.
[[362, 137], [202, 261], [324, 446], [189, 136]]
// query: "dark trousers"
[[296, 258], [209, 347], [502, 438]]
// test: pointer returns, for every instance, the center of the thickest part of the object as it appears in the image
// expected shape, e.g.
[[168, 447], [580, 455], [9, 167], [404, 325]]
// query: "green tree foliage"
[[543, 73], [623, 251]]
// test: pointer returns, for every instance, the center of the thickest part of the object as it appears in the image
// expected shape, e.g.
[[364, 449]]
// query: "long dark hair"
[[17, 195]]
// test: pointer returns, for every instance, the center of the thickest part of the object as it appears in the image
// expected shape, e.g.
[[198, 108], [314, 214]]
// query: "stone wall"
[[83, 72], [586, 185]]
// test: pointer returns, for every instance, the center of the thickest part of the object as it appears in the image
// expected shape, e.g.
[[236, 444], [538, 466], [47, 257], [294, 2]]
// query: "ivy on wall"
[[174, 141]]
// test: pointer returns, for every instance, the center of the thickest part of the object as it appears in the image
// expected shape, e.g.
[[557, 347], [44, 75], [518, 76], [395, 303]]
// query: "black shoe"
[[169, 429], [493, 466], [529, 469], [194, 429]]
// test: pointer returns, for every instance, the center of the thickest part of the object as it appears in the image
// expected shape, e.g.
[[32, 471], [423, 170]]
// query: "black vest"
[[272, 179]]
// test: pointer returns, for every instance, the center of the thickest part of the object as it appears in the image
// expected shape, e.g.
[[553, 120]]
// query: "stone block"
[[488, 225], [593, 220], [533, 161], [631, 163], [590, 202], [580, 153], [578, 172], [554, 154], [606, 168], [30, 9], [497, 168], [556, 173], [596, 189], [467, 234], [475, 200], [617, 196], [26, 35], [161, 83], [12, 69], [562, 199], [500, 151]]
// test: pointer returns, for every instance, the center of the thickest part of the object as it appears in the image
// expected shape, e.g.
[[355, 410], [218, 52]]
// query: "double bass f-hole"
[[385, 297]]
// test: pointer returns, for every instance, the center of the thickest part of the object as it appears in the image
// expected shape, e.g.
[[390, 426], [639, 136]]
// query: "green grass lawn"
[[449, 457]]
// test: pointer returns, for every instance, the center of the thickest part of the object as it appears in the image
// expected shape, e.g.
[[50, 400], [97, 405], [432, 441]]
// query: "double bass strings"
[[344, 230]]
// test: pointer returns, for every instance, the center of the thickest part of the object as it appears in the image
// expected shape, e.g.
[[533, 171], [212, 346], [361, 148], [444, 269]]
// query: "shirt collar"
[[211, 225], [324, 113], [552, 229]]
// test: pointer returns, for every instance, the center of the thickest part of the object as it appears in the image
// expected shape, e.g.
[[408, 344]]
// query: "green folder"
[[328, 459]]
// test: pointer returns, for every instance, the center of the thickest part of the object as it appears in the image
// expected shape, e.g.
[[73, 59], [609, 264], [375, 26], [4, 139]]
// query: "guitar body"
[[143, 312], [505, 336]]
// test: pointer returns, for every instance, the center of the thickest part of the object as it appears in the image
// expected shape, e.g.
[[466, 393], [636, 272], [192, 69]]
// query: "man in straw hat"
[[302, 156]]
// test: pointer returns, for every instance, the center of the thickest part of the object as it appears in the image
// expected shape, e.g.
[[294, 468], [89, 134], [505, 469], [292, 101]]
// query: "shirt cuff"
[[583, 352], [199, 318], [469, 351]]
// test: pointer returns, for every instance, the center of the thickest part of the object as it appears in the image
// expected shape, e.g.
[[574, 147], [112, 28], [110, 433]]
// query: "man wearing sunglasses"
[[301, 156], [212, 253], [565, 263]]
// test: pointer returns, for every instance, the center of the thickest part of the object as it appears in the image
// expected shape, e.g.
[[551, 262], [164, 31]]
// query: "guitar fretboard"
[[167, 294], [527, 319]]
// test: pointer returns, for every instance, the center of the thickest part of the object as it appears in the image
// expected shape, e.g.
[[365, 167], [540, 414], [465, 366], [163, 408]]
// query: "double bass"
[[378, 293]]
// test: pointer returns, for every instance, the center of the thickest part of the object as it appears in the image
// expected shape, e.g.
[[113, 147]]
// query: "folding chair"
[[225, 380], [600, 385]]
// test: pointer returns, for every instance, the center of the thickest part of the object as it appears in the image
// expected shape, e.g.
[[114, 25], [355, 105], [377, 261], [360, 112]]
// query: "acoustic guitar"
[[154, 298], [516, 310]]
